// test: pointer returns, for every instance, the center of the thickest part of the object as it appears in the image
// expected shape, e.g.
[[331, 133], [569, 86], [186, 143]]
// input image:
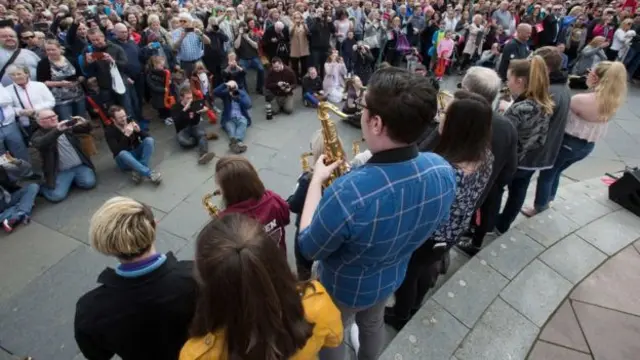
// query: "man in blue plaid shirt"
[[365, 226], [188, 42]]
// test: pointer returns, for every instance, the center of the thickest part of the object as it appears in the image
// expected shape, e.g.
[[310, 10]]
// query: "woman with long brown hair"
[[250, 305], [243, 192], [528, 81]]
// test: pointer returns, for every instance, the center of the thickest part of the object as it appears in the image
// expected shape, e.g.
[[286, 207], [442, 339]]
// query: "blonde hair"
[[611, 89], [597, 41], [122, 227], [537, 74], [575, 11]]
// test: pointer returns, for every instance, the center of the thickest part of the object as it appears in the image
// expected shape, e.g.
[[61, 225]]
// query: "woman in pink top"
[[588, 118]]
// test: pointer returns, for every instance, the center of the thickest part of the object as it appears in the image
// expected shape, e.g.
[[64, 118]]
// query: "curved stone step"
[[494, 306]]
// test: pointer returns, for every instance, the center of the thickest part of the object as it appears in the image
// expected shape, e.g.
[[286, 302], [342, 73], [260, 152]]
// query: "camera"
[[216, 28], [189, 29], [235, 93], [87, 13]]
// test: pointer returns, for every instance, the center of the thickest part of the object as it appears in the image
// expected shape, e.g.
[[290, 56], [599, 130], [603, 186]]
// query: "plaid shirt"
[[191, 48], [370, 221]]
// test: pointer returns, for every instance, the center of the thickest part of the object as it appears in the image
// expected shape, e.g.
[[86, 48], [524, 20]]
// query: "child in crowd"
[[489, 58], [234, 72], [564, 65], [202, 86], [354, 90], [312, 92], [444, 51], [160, 88], [413, 59], [189, 132], [438, 35], [348, 49], [334, 73], [243, 192]]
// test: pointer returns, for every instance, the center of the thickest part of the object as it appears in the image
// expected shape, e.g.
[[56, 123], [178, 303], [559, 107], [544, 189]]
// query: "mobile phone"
[[41, 26], [189, 29], [72, 122], [98, 55], [197, 105], [6, 23]]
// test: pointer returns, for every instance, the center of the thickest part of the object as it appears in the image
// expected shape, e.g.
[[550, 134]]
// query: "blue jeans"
[[138, 158], [311, 99], [515, 200], [21, 203], [573, 150], [11, 140], [82, 176], [632, 62], [256, 64], [73, 108], [236, 128]]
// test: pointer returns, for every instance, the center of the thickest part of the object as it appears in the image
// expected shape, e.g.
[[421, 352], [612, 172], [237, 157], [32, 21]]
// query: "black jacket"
[[296, 200], [101, 69], [43, 70], [512, 50], [46, 141], [310, 85], [504, 140], [320, 32], [550, 32], [182, 119], [117, 141], [145, 317], [155, 83]]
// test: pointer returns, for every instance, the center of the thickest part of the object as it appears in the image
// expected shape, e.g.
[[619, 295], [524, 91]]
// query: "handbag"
[[116, 80]]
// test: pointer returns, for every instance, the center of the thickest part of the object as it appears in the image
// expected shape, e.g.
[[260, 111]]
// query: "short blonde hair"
[[317, 144], [122, 227]]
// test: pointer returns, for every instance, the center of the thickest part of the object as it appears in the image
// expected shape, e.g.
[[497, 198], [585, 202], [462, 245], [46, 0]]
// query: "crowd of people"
[[432, 177]]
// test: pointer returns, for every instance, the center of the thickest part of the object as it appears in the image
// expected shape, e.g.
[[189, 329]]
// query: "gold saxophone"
[[333, 150], [212, 209]]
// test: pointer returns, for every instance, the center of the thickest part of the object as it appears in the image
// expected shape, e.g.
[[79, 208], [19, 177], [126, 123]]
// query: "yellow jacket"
[[319, 310]]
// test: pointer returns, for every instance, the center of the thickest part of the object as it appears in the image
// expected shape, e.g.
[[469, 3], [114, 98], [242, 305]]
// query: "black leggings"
[[299, 66], [425, 266]]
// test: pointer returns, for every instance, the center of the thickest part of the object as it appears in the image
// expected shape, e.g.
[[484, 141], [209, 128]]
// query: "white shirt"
[[618, 40], [6, 103], [35, 95]]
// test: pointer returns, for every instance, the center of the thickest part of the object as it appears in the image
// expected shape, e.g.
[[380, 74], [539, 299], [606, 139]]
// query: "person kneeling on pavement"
[[186, 118], [16, 202], [235, 115], [280, 83], [131, 147], [63, 162]]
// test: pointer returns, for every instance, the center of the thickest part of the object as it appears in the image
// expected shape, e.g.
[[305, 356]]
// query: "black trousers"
[[425, 266], [303, 265], [489, 212]]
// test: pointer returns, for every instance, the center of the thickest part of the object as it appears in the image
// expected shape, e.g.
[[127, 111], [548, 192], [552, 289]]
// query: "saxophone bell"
[[212, 209]]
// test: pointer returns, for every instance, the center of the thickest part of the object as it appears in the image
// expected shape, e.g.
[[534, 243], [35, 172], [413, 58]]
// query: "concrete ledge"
[[494, 306]]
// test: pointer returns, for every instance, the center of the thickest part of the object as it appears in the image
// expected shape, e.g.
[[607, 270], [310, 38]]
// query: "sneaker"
[[233, 146], [155, 177], [135, 177], [206, 158], [168, 121], [468, 248], [7, 225], [241, 146], [26, 220]]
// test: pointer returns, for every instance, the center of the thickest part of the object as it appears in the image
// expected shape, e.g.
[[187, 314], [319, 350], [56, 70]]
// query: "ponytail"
[[538, 84]]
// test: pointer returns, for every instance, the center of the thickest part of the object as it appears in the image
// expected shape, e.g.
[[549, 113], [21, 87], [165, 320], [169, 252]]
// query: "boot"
[[269, 111]]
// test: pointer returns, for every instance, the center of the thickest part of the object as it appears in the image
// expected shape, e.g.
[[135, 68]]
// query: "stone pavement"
[[601, 317], [47, 265]]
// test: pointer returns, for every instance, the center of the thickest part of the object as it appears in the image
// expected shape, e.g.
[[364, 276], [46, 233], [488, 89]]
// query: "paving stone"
[[593, 167], [510, 252], [548, 227], [563, 329], [602, 196], [582, 209], [186, 220], [637, 245], [610, 334], [73, 215], [281, 184], [612, 232], [180, 176], [500, 334], [473, 281], [536, 292], [573, 258], [6, 356], [39, 320], [29, 252], [545, 351], [615, 284], [431, 325], [623, 143]]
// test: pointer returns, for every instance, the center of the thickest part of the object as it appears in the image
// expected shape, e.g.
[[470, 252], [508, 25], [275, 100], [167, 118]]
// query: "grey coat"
[[588, 58]]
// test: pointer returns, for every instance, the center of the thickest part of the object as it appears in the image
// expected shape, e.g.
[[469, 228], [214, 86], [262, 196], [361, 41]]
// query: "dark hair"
[[248, 291], [238, 180], [406, 103], [113, 109], [551, 57], [466, 138], [276, 60]]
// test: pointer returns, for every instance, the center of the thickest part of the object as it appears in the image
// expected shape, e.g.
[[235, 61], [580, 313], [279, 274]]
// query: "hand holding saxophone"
[[321, 171]]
